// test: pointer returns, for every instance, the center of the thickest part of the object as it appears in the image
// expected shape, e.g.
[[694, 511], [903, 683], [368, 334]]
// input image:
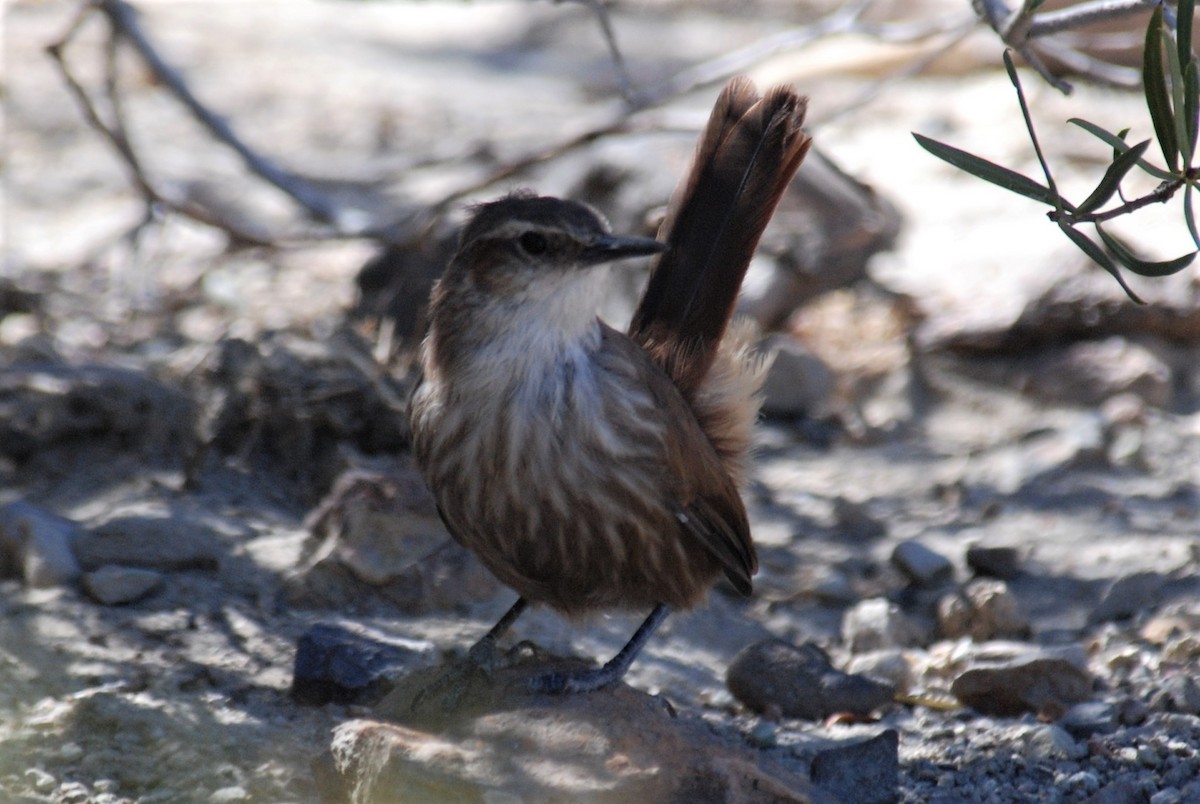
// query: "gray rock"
[[798, 383], [855, 522], [113, 585], [1088, 718], [921, 565], [984, 609], [995, 562], [1089, 372], [866, 772], [350, 664], [490, 739], [1127, 596], [35, 544], [878, 623], [153, 538], [1047, 741], [889, 664], [1120, 791], [776, 676], [1178, 693], [1028, 686]]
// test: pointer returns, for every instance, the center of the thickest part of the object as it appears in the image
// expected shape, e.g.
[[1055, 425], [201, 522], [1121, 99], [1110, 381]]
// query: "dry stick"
[[125, 151], [631, 95], [1021, 28], [124, 19]]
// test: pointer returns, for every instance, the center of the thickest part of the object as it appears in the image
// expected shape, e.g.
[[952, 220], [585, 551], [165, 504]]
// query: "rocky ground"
[[975, 497]]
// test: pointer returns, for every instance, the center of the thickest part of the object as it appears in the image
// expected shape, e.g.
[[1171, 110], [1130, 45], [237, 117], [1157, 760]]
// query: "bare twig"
[[124, 19], [624, 82], [120, 143], [1022, 29], [1160, 195]]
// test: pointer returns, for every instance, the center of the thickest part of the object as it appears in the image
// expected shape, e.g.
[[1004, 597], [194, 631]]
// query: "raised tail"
[[747, 155]]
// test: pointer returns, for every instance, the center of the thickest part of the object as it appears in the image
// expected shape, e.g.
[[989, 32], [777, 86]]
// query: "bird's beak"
[[607, 248]]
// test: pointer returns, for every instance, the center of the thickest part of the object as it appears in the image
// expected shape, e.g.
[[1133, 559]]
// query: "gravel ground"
[[173, 411]]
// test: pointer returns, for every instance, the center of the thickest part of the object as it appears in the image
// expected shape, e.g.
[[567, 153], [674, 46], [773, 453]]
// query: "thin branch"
[[124, 19], [1160, 195], [1052, 22], [624, 82], [125, 151]]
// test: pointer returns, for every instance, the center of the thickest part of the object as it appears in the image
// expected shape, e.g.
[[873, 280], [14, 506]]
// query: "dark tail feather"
[[746, 157]]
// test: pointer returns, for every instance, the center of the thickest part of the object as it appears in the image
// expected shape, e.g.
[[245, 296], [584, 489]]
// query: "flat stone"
[[922, 566], [867, 772], [158, 539], [798, 383], [984, 609], [113, 585], [1030, 686], [491, 739], [1047, 741], [801, 682], [349, 664], [1088, 718], [35, 544], [878, 623], [1127, 596], [994, 562]]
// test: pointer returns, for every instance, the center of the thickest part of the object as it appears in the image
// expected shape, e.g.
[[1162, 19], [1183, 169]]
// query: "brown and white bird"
[[590, 468]]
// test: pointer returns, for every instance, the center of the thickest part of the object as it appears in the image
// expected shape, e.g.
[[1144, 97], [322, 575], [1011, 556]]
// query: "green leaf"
[[1059, 202], [1189, 212], [1138, 265], [1100, 257], [1191, 107], [1157, 97], [1118, 143], [1179, 102], [988, 171], [1111, 181], [1184, 13]]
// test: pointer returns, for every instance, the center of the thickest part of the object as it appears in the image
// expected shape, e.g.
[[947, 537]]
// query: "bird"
[[589, 468]]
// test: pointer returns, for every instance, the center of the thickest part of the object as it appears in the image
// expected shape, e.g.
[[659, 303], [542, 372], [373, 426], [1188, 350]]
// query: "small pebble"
[[70, 751], [764, 735]]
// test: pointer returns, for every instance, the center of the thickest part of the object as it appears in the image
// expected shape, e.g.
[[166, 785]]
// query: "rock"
[[36, 545], [229, 794], [1162, 628], [152, 537], [1120, 791], [493, 740], [1089, 372], [921, 565], [855, 522], [1088, 718], [798, 383], [1030, 686], [1077, 441], [378, 536], [800, 682], [867, 772], [889, 664], [1127, 596], [350, 664], [1047, 741], [984, 609], [1178, 693], [994, 562], [878, 623], [113, 585], [1074, 301]]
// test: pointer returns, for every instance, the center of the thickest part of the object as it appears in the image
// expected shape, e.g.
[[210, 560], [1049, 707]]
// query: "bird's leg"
[[483, 653], [612, 672]]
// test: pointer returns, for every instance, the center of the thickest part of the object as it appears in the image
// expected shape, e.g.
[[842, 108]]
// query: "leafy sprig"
[[1172, 89]]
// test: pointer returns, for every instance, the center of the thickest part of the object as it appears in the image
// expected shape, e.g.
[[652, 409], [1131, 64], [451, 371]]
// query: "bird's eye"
[[534, 243]]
